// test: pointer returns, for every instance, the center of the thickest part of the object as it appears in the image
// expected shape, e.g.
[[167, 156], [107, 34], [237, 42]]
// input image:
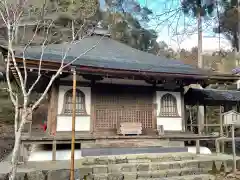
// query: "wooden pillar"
[[183, 108], [73, 124], [154, 114], [54, 150], [49, 116], [221, 127], [21, 153], [199, 132], [93, 114], [205, 120], [217, 146], [53, 109], [234, 150]]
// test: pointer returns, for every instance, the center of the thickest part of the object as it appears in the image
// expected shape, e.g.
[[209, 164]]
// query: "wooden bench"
[[130, 128]]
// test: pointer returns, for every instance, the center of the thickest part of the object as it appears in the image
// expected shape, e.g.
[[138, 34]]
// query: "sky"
[[180, 31]]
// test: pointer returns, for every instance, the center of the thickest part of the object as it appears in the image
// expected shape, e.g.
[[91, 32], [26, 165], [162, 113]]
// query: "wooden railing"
[[209, 129]]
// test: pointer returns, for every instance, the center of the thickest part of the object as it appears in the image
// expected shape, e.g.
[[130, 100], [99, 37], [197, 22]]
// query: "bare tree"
[[11, 16]]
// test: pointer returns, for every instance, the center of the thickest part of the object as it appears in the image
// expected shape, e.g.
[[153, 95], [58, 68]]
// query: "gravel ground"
[[6, 140]]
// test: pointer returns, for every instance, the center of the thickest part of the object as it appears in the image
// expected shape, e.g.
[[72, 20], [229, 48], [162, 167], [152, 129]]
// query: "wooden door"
[[122, 104]]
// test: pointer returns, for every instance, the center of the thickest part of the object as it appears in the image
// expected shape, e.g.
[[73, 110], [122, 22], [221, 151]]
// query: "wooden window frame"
[[171, 110], [81, 103]]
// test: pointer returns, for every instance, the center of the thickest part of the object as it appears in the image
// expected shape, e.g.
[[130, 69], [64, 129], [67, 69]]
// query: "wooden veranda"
[[223, 100]]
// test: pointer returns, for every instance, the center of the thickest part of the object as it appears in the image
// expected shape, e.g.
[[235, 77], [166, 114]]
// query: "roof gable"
[[110, 54], [231, 112]]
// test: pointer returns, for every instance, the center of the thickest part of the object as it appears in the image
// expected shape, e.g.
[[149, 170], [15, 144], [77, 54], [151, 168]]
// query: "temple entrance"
[[117, 104]]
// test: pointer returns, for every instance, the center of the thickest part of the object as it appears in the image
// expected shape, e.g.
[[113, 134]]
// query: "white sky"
[[209, 43]]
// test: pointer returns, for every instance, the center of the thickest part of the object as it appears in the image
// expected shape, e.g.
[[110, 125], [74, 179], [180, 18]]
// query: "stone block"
[[143, 167], [189, 156], [174, 165], [158, 167], [84, 171], [159, 174], [190, 171], [206, 164], [114, 168], [3, 176], [198, 178], [121, 160], [129, 168], [189, 164], [115, 176], [163, 158], [21, 176], [101, 177], [88, 161], [100, 170], [88, 177], [173, 172], [130, 176], [101, 161], [144, 174], [139, 161], [36, 175], [61, 174]]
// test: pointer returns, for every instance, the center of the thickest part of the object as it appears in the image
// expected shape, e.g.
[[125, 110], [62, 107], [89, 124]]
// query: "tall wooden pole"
[[73, 124], [200, 114], [234, 151]]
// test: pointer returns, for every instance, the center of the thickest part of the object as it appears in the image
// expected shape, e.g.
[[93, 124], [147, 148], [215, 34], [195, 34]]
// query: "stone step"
[[148, 158], [152, 166], [189, 177], [150, 174]]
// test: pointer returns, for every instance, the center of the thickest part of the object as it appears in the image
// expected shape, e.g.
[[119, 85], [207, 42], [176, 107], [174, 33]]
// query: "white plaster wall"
[[171, 123], [64, 123], [82, 123]]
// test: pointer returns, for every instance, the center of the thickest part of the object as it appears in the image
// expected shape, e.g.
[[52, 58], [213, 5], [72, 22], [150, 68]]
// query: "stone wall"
[[164, 166]]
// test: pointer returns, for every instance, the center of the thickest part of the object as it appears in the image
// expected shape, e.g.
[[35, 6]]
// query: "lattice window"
[[169, 106], [80, 103]]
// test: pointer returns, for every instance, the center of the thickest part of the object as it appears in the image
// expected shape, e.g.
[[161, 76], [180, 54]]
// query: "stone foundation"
[[182, 166], [104, 143]]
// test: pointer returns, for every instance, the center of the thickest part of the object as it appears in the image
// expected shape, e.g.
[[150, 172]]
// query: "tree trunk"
[[199, 23], [18, 132], [15, 155]]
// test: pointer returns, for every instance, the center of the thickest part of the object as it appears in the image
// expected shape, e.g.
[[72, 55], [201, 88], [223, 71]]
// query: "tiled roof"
[[212, 95], [111, 54]]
